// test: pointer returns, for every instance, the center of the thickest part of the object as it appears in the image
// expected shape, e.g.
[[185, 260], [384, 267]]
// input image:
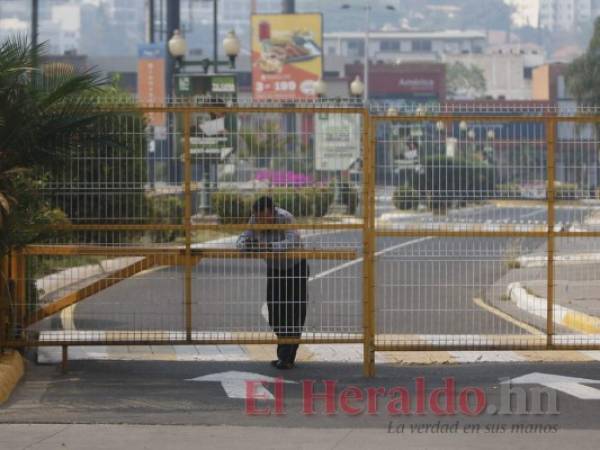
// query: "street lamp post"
[[440, 126], [463, 127], [489, 148], [471, 144], [337, 206], [366, 56], [367, 10], [177, 48]]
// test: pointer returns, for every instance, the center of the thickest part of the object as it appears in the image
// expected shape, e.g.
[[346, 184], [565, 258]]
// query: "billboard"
[[151, 78], [287, 56], [337, 141]]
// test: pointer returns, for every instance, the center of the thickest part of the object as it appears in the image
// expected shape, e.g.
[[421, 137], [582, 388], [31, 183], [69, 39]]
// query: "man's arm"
[[248, 238]]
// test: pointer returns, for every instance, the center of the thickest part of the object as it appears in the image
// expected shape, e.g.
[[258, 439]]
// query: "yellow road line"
[[530, 329]]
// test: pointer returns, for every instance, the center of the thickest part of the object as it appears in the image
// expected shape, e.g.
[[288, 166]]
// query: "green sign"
[[201, 85], [183, 84], [223, 84]]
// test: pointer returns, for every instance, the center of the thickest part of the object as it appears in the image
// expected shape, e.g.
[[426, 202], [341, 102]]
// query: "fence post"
[[188, 225], [17, 277], [4, 286], [550, 161], [21, 290], [368, 245]]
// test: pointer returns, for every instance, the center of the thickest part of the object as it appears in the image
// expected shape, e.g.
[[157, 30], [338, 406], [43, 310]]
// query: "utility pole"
[[173, 23], [366, 59], [35, 7], [288, 6], [150, 22], [215, 35]]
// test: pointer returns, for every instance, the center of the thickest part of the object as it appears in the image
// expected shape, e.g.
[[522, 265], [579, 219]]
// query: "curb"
[[574, 258], [59, 280], [566, 317], [12, 369]]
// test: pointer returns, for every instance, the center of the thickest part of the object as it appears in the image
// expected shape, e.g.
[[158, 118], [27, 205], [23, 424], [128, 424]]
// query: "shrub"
[[508, 191], [319, 199], [232, 207], [293, 200], [405, 198], [235, 206], [450, 181], [349, 196], [567, 192], [165, 209]]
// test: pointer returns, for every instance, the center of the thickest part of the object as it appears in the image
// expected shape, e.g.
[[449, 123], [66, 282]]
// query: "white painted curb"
[[533, 304], [542, 261], [567, 317]]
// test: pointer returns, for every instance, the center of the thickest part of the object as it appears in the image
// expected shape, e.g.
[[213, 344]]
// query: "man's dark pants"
[[286, 300]]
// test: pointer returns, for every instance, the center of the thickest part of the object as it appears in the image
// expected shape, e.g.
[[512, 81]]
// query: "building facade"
[[409, 83], [507, 69], [402, 46], [565, 15]]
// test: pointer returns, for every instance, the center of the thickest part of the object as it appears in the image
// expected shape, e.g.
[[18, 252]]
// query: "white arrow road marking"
[[234, 383], [569, 385]]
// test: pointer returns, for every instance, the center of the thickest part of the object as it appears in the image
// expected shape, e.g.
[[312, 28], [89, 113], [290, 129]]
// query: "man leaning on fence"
[[286, 277]]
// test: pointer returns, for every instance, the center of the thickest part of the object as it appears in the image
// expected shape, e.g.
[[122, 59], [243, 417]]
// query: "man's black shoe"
[[282, 365]]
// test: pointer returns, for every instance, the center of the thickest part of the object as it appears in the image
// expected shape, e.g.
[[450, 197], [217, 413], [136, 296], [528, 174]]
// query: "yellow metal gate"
[[440, 229]]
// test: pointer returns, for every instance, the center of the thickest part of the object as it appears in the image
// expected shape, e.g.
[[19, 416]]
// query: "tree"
[[44, 120], [104, 180], [583, 74], [465, 81], [262, 142], [583, 83]]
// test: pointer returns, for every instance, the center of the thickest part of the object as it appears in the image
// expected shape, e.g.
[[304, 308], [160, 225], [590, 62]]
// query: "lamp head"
[[357, 87], [177, 45], [231, 44]]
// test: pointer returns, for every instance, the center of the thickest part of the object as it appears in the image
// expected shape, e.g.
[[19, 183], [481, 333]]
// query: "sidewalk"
[[150, 437]]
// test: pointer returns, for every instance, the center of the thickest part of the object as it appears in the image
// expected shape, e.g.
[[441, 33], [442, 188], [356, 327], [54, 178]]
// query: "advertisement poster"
[[151, 79], [287, 56], [212, 133], [337, 141]]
